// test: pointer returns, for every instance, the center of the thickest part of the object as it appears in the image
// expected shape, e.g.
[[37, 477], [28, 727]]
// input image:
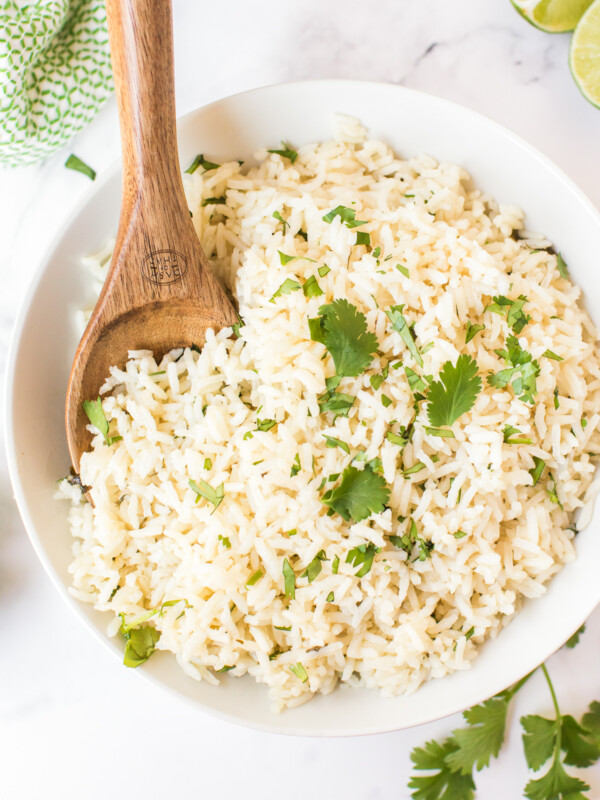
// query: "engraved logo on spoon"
[[164, 267]]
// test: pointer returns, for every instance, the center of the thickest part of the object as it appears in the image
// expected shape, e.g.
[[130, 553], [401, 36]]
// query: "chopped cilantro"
[[330, 598], [205, 490], [416, 383], [399, 324], [283, 627], [200, 161], [512, 309], [332, 442], [285, 152], [550, 354], [207, 463], [509, 436], [556, 401], [289, 579], [362, 556], [521, 373], [414, 469], [283, 221], [254, 578], [265, 425], [363, 238], [445, 433], [75, 163], [396, 438], [335, 565], [537, 469], [314, 568], [347, 215], [214, 201], [311, 287], [338, 403], [95, 414], [454, 394], [562, 267], [342, 328], [299, 672], [324, 270], [377, 252], [459, 534], [403, 270], [359, 494], [295, 466], [287, 287], [411, 538], [472, 331], [387, 401], [225, 541]]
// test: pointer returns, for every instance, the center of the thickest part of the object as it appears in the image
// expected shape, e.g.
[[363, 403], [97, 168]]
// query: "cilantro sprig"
[[516, 318], [559, 742], [342, 328]]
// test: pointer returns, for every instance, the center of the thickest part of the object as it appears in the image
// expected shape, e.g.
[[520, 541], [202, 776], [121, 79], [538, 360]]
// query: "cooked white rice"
[[194, 416]]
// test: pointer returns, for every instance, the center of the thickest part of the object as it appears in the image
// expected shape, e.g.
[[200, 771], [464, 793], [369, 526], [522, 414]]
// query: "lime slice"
[[584, 58], [552, 16]]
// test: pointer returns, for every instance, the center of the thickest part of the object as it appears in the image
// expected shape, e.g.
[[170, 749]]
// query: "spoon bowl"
[[160, 292]]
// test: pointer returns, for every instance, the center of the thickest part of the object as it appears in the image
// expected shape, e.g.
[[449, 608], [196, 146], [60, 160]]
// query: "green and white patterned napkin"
[[55, 74]]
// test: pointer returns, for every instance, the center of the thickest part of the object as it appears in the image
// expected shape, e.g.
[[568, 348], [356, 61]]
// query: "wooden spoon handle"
[[141, 41]]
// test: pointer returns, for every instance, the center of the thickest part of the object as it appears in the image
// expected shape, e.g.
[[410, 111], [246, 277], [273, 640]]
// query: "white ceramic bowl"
[[45, 340]]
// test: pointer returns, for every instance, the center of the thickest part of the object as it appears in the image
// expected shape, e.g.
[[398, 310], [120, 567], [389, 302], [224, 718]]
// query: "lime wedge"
[[552, 16], [584, 58]]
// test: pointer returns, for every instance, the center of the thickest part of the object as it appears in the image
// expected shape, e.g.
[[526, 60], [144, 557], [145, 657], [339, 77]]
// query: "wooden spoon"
[[160, 292]]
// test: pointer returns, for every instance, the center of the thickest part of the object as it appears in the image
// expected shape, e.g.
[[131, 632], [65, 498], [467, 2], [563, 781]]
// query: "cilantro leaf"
[[580, 748], [140, 644], [95, 414], [455, 393], [200, 161], [75, 163], [363, 554], [265, 425], [358, 495], [205, 490], [443, 783], [314, 568], [573, 641], [347, 215], [553, 356], [399, 324], [556, 785], [416, 383], [289, 579], [285, 152], [472, 331], [591, 720], [343, 331], [562, 267], [538, 739], [484, 736]]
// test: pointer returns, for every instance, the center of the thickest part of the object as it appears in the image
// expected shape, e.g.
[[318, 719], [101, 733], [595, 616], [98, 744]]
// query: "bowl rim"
[[29, 295]]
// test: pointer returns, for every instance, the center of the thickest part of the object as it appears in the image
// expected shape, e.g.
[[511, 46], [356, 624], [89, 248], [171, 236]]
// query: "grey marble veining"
[[70, 716]]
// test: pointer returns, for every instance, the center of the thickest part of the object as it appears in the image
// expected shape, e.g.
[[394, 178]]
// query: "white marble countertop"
[[73, 722]]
